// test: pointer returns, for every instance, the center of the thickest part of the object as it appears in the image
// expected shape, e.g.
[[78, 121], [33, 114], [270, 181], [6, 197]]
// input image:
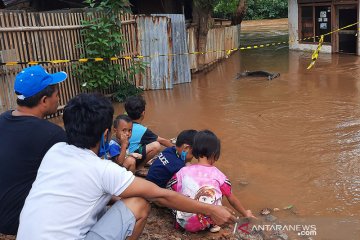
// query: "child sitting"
[[205, 183], [118, 146], [142, 141], [172, 159]]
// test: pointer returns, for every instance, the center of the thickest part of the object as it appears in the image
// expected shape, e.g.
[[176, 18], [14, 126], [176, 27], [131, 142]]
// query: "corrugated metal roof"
[[154, 38], [180, 68]]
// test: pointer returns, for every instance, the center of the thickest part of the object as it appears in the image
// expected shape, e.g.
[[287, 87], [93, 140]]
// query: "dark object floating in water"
[[270, 76]]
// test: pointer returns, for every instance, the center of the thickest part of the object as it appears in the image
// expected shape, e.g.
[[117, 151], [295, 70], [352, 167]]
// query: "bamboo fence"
[[40, 36]]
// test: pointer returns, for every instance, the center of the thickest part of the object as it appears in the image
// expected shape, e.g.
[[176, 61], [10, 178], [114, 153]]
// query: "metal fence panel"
[[154, 38], [180, 63]]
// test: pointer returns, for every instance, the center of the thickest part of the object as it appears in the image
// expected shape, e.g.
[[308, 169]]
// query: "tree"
[[202, 17], [239, 13], [251, 9], [202, 10]]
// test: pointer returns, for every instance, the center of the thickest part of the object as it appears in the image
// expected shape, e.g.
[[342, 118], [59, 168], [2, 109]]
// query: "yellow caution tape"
[[11, 63], [315, 54], [60, 61]]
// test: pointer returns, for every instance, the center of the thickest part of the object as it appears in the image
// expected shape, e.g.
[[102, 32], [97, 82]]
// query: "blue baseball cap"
[[32, 80]]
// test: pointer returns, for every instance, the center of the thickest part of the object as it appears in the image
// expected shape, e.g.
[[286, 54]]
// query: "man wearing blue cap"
[[25, 138]]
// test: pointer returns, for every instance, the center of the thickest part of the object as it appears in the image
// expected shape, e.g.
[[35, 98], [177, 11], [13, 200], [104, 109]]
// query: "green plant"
[[263, 9], [102, 38], [225, 8], [127, 88], [255, 9]]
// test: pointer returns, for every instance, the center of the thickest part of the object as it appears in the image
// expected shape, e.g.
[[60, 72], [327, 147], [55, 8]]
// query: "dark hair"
[[86, 117], [187, 137], [134, 106], [206, 144], [123, 117], [34, 100]]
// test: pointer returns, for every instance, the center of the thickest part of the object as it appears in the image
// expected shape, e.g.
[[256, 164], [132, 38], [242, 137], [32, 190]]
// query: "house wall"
[[293, 16]]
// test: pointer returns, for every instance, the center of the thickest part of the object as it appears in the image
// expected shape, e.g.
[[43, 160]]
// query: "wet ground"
[[293, 141]]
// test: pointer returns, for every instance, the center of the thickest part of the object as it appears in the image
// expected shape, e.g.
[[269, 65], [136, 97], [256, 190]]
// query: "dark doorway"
[[347, 37]]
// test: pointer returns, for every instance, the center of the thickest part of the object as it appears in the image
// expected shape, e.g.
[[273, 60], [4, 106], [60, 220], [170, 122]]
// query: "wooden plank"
[[39, 28], [9, 35], [45, 36], [63, 50], [15, 36], [67, 21], [9, 55], [48, 21], [22, 41], [55, 36], [33, 44], [41, 39]]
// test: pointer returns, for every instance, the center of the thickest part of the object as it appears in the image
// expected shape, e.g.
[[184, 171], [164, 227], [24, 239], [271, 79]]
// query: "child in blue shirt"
[[172, 159], [142, 140], [118, 146]]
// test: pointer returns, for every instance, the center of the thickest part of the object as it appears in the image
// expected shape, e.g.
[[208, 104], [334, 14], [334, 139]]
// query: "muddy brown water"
[[291, 141]]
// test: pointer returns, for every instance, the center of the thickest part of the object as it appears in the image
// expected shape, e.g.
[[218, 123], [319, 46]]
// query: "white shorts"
[[117, 223]]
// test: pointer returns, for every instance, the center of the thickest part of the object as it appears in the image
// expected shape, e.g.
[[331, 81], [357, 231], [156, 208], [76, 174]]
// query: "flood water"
[[291, 141], [294, 140]]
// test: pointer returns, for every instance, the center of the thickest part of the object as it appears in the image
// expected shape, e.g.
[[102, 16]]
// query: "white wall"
[[294, 31]]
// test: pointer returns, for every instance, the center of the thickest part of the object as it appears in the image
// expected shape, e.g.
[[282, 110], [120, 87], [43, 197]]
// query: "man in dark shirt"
[[25, 137]]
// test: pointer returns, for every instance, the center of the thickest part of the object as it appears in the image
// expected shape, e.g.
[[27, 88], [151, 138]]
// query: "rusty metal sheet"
[[154, 38], [180, 63]]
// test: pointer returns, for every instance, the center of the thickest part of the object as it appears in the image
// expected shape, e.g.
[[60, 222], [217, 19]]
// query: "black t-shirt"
[[24, 140], [148, 137]]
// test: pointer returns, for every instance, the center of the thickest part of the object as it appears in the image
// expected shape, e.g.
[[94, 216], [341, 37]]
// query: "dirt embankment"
[[281, 24], [160, 225]]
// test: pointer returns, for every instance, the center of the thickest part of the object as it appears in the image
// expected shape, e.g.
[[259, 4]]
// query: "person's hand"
[[124, 140], [136, 155], [221, 214], [249, 214]]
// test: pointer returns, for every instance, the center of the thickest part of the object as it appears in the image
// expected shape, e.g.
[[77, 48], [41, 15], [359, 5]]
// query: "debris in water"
[[288, 207], [265, 211]]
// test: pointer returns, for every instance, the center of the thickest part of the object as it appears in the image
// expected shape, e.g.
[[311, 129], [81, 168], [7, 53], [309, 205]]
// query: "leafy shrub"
[[256, 9], [103, 39]]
